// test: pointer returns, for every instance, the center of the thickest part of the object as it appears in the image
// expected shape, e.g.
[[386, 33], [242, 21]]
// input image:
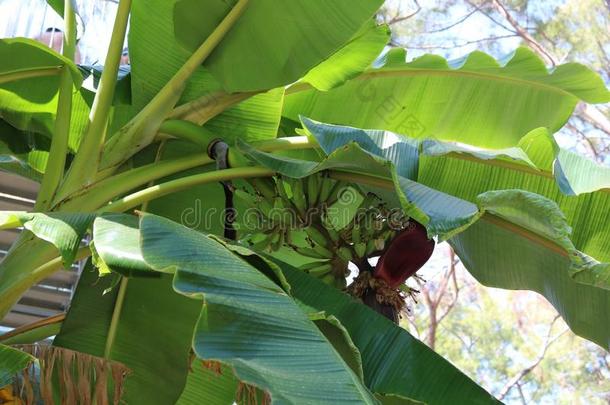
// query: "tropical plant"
[[262, 100]]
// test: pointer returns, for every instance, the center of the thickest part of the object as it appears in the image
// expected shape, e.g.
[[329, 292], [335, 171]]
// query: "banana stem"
[[69, 46], [188, 131], [160, 190], [87, 159], [54, 170], [142, 129], [105, 190]]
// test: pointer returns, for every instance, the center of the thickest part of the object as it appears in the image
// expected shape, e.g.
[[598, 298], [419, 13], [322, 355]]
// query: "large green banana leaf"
[[205, 386], [64, 230], [272, 44], [30, 104], [476, 100], [259, 358], [202, 265], [392, 360], [248, 321], [489, 232], [140, 322], [351, 60]]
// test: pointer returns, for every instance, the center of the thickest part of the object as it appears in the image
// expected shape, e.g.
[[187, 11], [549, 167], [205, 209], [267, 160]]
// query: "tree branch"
[[460, 20], [588, 142], [515, 381], [523, 32], [476, 41], [397, 18]]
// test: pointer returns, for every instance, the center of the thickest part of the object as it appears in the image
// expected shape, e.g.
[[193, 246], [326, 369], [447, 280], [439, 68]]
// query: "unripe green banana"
[[313, 189], [312, 265], [298, 196], [345, 254], [265, 187], [321, 270], [360, 249], [321, 250], [316, 236], [257, 238], [326, 187], [316, 252], [288, 236], [356, 236], [265, 208], [379, 243], [334, 193], [262, 244], [370, 247], [281, 189], [246, 197]]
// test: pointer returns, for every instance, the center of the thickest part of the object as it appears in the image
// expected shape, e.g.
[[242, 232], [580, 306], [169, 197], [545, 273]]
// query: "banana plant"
[[330, 150]]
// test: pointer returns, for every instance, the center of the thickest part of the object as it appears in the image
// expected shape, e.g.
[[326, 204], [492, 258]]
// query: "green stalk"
[[86, 162], [54, 170], [142, 129], [116, 314], [69, 48], [160, 190], [30, 73], [188, 131], [105, 190]]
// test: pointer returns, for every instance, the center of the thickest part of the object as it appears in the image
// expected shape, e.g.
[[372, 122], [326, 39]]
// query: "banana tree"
[[225, 186]]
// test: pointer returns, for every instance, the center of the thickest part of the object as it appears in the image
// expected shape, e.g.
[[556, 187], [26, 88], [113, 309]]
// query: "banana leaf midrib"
[[40, 71], [408, 71]]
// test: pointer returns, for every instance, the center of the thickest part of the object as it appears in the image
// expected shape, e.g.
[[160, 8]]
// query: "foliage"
[[470, 157], [495, 337]]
